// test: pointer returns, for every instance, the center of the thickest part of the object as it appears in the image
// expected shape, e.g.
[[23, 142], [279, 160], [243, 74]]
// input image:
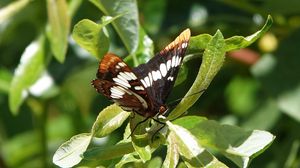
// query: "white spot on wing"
[[115, 96], [138, 88], [128, 78], [156, 75], [179, 61], [121, 64], [150, 78], [183, 45], [121, 82], [122, 78], [170, 78], [116, 92], [144, 83], [163, 69], [174, 61], [131, 75], [147, 81], [168, 64]]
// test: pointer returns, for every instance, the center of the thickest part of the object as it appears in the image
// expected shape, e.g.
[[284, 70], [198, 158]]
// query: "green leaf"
[[73, 7], [107, 153], [155, 162], [128, 158], [69, 153], [145, 49], [108, 120], [238, 42], [237, 144], [5, 80], [10, 10], [144, 152], [127, 26], [172, 157], [93, 37], [59, 27], [32, 64], [90, 36], [193, 154], [140, 137], [198, 43], [213, 59], [182, 75]]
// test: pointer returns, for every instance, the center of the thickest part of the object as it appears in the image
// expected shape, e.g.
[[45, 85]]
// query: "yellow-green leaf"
[[59, 27]]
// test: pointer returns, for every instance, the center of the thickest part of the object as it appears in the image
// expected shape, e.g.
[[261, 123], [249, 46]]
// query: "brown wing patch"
[[110, 66], [116, 81], [127, 99], [181, 40]]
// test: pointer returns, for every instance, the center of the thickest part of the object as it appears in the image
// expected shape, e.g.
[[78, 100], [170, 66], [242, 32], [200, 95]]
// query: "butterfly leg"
[[163, 125], [137, 126]]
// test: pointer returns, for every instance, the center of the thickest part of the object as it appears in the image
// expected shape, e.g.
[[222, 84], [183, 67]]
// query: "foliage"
[[46, 97], [112, 117]]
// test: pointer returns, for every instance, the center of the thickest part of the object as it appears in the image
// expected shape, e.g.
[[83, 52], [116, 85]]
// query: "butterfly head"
[[163, 109]]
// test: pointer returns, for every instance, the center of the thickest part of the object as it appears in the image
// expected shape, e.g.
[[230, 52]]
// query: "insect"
[[145, 88]]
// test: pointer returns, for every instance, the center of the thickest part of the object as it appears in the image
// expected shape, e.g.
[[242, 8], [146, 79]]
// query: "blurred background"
[[257, 88]]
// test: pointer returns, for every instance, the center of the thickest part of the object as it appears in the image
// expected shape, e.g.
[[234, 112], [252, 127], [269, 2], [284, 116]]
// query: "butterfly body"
[[145, 88]]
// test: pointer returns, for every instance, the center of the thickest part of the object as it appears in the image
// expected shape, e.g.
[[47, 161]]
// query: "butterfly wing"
[[116, 81], [158, 75]]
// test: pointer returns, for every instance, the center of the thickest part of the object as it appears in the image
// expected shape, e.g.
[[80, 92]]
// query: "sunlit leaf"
[[145, 49], [213, 59], [237, 144], [59, 20], [127, 26], [191, 151], [93, 37], [11, 9], [155, 162], [90, 36], [143, 151], [108, 120], [73, 6], [110, 152], [172, 157], [238, 42], [140, 139], [32, 64], [127, 159], [198, 43], [69, 153]]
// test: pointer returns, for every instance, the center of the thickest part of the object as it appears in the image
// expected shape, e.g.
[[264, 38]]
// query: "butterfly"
[[145, 88]]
